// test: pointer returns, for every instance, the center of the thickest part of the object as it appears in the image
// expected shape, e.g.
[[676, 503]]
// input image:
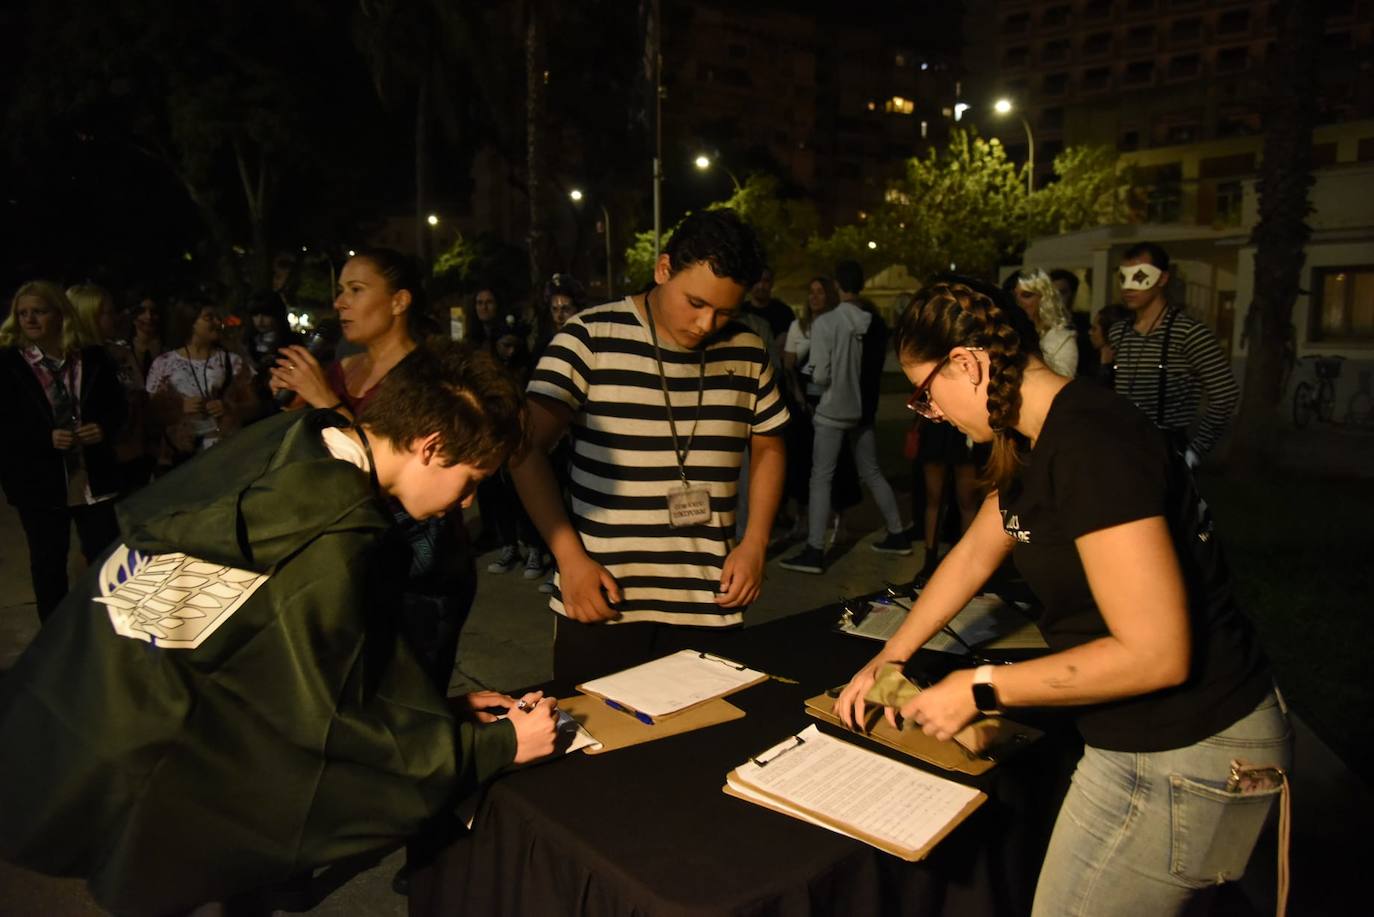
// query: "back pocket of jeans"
[[1213, 832]]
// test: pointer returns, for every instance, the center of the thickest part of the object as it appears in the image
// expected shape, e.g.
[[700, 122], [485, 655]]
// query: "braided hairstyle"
[[946, 315]]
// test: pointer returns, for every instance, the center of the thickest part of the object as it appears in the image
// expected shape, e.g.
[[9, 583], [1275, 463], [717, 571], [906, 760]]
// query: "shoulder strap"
[[1163, 362]]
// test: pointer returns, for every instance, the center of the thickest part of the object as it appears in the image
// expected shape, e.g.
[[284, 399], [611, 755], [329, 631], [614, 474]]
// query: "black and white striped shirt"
[[1194, 368], [601, 365]]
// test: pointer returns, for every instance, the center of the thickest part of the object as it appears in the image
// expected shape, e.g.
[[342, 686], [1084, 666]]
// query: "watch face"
[[985, 697]]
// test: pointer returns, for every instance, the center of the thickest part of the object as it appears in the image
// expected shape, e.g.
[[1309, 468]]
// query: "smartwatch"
[[984, 692]]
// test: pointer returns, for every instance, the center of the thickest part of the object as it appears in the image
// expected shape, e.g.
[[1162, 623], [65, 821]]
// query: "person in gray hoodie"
[[837, 345]]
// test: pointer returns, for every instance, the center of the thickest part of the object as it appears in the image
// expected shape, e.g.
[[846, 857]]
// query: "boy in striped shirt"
[[662, 393]]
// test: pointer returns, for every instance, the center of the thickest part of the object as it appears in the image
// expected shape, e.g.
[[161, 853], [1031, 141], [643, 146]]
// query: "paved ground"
[[508, 644]]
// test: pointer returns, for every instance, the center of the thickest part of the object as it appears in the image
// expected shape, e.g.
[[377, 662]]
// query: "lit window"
[[1344, 303], [899, 106]]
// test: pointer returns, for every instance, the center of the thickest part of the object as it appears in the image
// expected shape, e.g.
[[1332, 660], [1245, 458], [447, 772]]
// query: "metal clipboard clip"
[[853, 613], [797, 742], [728, 663]]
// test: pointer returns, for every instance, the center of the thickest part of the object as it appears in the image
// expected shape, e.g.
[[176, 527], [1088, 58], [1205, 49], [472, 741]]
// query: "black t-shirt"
[[1100, 462], [777, 314]]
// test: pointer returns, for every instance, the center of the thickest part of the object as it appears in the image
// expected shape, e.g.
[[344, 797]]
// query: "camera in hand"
[[318, 345]]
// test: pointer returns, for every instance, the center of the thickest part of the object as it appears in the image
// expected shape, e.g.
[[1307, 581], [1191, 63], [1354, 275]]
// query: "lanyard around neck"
[[679, 454], [203, 386], [371, 462]]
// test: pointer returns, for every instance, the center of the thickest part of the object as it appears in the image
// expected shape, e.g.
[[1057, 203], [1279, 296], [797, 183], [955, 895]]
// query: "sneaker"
[[536, 562], [807, 560], [546, 587], [894, 543], [506, 561]]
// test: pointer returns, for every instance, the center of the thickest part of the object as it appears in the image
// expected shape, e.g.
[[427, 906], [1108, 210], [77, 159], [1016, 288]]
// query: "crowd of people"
[[645, 466]]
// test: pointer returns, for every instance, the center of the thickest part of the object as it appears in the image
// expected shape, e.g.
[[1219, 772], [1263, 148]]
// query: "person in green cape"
[[224, 703]]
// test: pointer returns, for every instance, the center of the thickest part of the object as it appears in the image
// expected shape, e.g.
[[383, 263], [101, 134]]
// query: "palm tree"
[[1281, 235]]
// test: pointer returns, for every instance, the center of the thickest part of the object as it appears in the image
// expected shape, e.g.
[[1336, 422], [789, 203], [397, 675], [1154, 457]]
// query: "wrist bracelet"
[[333, 407]]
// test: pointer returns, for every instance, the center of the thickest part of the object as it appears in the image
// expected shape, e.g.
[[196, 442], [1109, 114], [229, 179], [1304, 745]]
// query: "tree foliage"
[[1092, 187], [785, 226], [966, 206], [225, 108], [482, 260]]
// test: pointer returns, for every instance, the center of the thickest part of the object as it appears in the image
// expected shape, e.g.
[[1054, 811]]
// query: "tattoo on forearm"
[[1063, 681]]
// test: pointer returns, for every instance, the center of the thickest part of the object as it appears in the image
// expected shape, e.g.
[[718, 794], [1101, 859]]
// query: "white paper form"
[[886, 799], [674, 682]]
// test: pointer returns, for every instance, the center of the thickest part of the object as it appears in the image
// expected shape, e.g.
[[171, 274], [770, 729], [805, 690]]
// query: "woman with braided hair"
[[1171, 691]]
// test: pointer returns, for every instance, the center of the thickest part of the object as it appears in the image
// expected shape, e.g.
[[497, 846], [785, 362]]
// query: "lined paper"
[[673, 683], [868, 793]]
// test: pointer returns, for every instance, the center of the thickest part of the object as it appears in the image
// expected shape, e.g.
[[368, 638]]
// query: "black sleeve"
[[1109, 475], [106, 403]]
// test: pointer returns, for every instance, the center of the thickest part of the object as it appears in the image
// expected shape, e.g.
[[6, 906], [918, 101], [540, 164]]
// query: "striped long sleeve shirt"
[[602, 366], [1194, 369]]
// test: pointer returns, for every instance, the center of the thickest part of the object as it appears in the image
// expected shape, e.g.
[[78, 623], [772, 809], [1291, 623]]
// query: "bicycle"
[[1320, 400]]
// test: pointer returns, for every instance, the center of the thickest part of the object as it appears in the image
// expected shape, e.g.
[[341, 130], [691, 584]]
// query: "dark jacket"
[[31, 470], [173, 759]]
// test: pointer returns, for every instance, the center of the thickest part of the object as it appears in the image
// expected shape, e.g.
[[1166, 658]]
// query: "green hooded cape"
[[301, 731]]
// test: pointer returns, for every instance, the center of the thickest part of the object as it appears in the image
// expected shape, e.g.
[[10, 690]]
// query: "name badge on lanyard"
[[688, 505]]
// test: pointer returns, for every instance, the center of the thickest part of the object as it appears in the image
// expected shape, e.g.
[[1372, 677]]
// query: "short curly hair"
[[721, 239]]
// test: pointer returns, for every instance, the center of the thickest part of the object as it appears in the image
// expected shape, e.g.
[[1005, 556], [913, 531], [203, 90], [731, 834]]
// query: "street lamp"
[[576, 196], [432, 219], [1004, 107], [704, 162]]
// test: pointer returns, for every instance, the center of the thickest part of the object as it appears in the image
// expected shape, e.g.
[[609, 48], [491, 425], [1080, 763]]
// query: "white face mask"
[[1138, 276]]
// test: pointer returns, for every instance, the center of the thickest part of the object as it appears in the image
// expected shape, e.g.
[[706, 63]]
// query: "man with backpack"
[[848, 346]]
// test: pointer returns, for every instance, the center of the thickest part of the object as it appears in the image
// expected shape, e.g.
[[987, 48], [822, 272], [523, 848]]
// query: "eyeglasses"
[[920, 399]]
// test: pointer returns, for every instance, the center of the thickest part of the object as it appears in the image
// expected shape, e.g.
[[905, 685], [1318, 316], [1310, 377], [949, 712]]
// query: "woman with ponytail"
[[1170, 689]]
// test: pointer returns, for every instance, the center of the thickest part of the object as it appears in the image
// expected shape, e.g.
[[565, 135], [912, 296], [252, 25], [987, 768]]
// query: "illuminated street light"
[[351, 253], [872, 244], [576, 195], [1004, 107], [704, 162], [959, 109], [432, 219]]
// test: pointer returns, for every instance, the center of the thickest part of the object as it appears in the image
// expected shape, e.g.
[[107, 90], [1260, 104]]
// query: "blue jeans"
[[825, 456], [1144, 833]]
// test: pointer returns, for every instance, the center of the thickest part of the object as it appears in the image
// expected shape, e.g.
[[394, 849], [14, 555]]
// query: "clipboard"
[[613, 729], [977, 749], [685, 664], [738, 786]]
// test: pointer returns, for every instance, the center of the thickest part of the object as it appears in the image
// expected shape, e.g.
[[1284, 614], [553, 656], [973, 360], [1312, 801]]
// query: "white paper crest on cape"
[[174, 601]]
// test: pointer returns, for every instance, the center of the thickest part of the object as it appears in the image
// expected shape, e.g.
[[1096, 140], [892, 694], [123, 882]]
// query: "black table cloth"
[[646, 830]]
